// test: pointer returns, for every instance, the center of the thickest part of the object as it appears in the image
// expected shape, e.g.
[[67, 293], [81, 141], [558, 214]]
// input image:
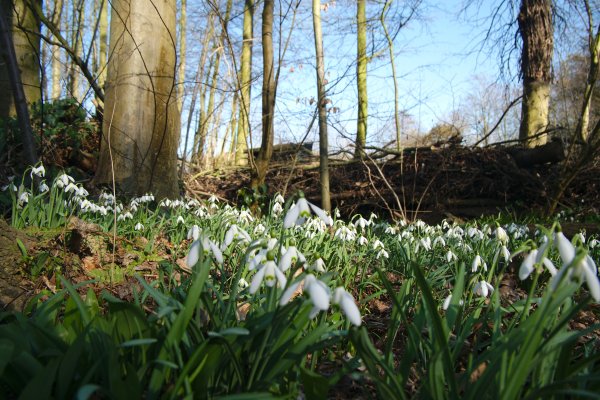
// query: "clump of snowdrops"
[[264, 300]]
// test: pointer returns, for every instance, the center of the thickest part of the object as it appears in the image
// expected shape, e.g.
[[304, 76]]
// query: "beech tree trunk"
[[268, 96], [141, 120], [243, 130], [323, 142], [536, 29], [361, 75], [19, 20]]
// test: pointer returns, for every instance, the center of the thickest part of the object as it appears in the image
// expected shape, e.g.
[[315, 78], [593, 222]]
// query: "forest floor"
[[455, 183]]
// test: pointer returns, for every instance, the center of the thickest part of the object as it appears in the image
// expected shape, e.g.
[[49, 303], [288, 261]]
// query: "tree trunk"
[[141, 122], [19, 19], [536, 29], [56, 54], [182, 50], [76, 26], [361, 75], [243, 130], [268, 96], [323, 143], [8, 58], [102, 52]]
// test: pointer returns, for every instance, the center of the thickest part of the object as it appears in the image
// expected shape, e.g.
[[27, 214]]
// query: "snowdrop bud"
[[565, 248], [347, 305], [194, 232], [483, 288], [527, 265]]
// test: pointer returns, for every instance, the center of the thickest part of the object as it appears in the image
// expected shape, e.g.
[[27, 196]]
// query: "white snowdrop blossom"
[[207, 246], [180, 220], [24, 198], [345, 234], [425, 243], [377, 244], [450, 256], [139, 226], [318, 265], [243, 284], [39, 171], [279, 199], [501, 235], [478, 262], [246, 216], [43, 187], [290, 257], [528, 264], [347, 304], [382, 253], [583, 269], [448, 300], [505, 253], [277, 209], [63, 180], [270, 273], [125, 216], [299, 212], [259, 229], [194, 232], [362, 241], [392, 230], [235, 234], [318, 291], [439, 242], [593, 243], [483, 289], [362, 223]]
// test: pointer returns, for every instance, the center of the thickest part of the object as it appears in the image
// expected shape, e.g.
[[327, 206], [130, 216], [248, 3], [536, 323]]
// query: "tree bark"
[[323, 142], [361, 75], [19, 19], [243, 130], [536, 30], [18, 97], [141, 121], [268, 96], [56, 54]]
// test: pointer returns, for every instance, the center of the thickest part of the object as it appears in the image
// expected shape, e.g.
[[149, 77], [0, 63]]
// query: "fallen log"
[[552, 152]]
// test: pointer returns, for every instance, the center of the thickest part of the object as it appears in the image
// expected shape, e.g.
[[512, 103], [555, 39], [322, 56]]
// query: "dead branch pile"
[[435, 183]]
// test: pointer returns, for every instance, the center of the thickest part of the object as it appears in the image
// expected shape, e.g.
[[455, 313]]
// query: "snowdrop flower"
[[207, 246], [584, 270], [426, 243], [194, 232], [139, 226], [290, 257], [347, 304], [505, 253], [63, 180], [317, 290], [593, 243], [243, 284], [246, 216], [318, 265], [362, 223], [39, 171], [125, 216], [279, 199], [478, 262], [235, 233], [277, 209], [344, 233], [180, 220], [501, 235], [527, 265], [565, 247], [43, 187], [392, 230], [362, 241], [259, 229], [450, 256], [24, 198], [71, 187], [213, 199], [482, 288], [382, 253], [377, 244], [448, 300], [11, 186], [439, 241], [270, 274], [300, 211]]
